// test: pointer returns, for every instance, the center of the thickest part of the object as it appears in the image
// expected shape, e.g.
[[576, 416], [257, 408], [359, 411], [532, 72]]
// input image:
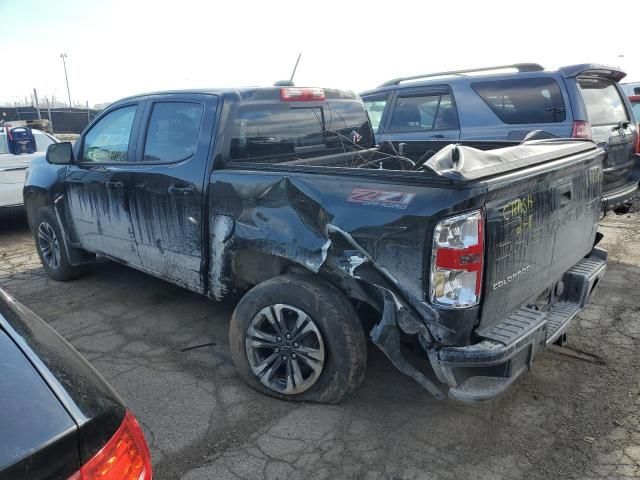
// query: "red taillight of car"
[[301, 94], [125, 457], [457, 261], [581, 129], [638, 139]]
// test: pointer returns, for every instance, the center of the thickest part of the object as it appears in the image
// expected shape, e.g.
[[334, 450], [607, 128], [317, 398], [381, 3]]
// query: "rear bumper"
[[484, 370], [619, 198]]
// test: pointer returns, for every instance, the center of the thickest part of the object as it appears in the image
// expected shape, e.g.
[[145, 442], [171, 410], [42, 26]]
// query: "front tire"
[[297, 337], [52, 250]]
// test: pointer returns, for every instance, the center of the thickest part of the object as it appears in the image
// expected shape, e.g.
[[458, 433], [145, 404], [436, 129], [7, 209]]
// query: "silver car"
[[14, 167]]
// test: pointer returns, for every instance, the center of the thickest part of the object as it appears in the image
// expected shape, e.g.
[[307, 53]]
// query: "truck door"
[[420, 122], [96, 183], [166, 189]]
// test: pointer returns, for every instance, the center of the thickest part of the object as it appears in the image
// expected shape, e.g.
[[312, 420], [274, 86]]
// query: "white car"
[[13, 167]]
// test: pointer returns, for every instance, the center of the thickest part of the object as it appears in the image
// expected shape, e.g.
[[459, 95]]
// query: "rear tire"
[[298, 338], [51, 248]]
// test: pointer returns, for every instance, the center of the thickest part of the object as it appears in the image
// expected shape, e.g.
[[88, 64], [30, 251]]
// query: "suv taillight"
[[581, 129], [124, 457], [457, 260]]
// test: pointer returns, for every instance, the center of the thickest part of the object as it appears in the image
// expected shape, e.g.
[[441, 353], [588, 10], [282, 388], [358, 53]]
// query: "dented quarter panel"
[[306, 218]]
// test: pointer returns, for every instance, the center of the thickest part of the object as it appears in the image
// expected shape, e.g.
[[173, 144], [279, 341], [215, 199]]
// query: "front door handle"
[[113, 184], [180, 190]]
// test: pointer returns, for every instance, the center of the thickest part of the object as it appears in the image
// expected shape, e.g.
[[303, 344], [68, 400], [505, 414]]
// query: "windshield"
[[42, 141]]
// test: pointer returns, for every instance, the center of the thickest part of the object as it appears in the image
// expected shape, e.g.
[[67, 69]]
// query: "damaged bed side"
[[367, 239], [372, 237]]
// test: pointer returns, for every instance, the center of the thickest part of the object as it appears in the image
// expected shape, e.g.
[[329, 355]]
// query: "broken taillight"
[[457, 260], [301, 94], [124, 457], [581, 129]]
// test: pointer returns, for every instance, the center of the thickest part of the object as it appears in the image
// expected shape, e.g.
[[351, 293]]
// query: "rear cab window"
[[523, 100], [279, 131], [603, 102]]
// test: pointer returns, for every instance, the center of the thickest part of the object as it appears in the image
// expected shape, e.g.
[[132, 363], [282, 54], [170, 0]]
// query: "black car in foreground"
[[59, 419]]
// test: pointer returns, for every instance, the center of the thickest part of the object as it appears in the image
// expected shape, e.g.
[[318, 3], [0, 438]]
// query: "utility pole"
[[17, 109], [63, 56], [49, 112], [88, 118], [35, 96]]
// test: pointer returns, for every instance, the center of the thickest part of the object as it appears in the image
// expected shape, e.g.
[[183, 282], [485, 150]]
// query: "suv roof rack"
[[521, 67]]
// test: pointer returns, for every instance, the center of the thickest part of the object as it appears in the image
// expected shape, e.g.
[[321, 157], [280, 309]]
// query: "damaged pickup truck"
[[477, 259]]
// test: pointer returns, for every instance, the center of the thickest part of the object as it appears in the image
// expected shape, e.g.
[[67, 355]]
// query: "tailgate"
[[539, 223]]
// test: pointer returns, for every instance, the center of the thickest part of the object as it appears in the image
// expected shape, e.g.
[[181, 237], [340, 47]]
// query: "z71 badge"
[[381, 198]]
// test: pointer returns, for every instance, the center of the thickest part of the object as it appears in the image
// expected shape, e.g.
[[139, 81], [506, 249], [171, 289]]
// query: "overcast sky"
[[118, 48]]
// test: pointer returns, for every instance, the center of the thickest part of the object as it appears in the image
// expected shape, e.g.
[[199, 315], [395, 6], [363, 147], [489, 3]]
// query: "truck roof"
[[247, 93]]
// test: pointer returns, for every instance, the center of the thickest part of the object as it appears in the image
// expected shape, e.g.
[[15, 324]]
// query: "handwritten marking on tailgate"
[[381, 198]]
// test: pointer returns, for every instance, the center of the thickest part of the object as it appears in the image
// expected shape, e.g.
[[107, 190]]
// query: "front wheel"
[[51, 248], [297, 337]]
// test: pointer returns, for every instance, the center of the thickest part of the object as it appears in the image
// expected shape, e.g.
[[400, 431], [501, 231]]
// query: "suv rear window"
[[603, 102], [293, 129], [523, 100]]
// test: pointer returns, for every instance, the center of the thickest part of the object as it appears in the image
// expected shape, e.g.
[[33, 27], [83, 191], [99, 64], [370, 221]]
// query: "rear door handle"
[[180, 190], [563, 195], [112, 185]]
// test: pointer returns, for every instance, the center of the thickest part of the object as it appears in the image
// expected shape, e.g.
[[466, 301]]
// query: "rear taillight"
[[638, 139], [581, 129], [302, 94], [125, 457], [457, 260]]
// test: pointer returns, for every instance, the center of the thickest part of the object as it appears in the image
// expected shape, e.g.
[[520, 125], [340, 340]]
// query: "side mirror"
[[60, 153]]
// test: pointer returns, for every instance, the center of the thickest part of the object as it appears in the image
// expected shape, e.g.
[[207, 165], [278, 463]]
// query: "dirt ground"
[[166, 352]]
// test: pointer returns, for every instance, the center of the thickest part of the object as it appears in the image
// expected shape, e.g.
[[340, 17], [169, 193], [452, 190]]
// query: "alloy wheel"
[[49, 245], [285, 349]]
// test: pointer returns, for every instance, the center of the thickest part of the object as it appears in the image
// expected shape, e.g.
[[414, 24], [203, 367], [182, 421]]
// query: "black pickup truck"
[[479, 259]]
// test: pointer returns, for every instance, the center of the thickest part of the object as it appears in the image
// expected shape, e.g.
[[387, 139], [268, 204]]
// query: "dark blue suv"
[[499, 106]]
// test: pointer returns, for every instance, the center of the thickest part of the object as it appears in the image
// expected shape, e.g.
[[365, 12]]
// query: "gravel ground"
[[166, 351]]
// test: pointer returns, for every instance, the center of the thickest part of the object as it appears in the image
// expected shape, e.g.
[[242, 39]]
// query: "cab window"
[[432, 111], [108, 140], [173, 131]]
